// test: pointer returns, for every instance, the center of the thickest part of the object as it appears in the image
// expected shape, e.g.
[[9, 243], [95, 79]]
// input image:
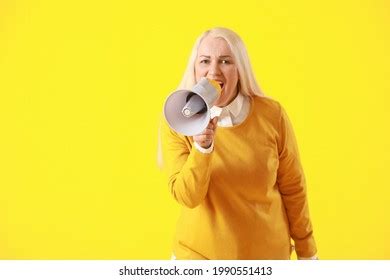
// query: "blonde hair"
[[247, 83]]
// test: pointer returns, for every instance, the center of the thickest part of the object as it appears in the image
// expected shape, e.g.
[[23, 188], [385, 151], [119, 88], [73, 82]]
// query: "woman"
[[240, 181]]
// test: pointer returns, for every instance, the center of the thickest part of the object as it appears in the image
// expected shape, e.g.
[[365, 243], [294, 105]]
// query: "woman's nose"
[[214, 69]]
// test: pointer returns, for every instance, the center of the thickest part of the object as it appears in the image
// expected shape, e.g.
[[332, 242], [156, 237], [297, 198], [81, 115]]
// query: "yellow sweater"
[[246, 198]]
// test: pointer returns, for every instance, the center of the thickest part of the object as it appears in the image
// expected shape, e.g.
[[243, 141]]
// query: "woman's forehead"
[[214, 46]]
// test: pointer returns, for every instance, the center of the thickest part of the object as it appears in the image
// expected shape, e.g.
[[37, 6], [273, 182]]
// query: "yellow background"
[[82, 84]]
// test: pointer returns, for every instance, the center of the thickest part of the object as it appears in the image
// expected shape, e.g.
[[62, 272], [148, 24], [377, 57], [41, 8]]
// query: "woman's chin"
[[220, 101], [220, 104], [224, 100]]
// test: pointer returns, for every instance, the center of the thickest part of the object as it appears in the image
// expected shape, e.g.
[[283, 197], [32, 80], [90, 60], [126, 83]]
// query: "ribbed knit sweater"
[[245, 200]]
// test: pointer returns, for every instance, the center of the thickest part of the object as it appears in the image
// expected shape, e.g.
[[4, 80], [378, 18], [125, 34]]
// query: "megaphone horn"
[[194, 105], [188, 111]]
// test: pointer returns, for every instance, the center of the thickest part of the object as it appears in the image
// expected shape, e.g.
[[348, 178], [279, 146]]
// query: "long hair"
[[247, 83]]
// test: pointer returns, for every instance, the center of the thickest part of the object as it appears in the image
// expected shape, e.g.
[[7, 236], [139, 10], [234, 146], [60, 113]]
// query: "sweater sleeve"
[[188, 169], [292, 186]]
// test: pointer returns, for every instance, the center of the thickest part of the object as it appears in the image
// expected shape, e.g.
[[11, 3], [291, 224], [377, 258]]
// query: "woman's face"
[[215, 62]]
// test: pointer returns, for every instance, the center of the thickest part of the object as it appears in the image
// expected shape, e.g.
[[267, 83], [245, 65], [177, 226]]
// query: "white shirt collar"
[[233, 107], [228, 113]]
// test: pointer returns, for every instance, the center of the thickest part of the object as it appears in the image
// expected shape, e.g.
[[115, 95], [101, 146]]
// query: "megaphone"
[[188, 111]]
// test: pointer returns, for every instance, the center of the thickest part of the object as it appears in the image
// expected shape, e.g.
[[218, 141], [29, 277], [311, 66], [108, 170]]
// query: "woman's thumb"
[[214, 121]]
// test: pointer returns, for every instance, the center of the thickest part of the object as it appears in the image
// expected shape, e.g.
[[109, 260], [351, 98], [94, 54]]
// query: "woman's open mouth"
[[221, 84]]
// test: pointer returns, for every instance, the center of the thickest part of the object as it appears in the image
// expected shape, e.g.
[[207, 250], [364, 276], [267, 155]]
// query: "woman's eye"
[[205, 61], [225, 61]]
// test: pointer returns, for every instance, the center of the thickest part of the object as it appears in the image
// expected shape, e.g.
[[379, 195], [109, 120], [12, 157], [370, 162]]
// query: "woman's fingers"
[[213, 123], [206, 137], [208, 131]]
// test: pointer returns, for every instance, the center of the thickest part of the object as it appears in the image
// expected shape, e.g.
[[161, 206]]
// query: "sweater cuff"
[[203, 150], [307, 259], [305, 248]]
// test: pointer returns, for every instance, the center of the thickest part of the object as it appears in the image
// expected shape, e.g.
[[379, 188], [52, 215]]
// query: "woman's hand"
[[206, 137]]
